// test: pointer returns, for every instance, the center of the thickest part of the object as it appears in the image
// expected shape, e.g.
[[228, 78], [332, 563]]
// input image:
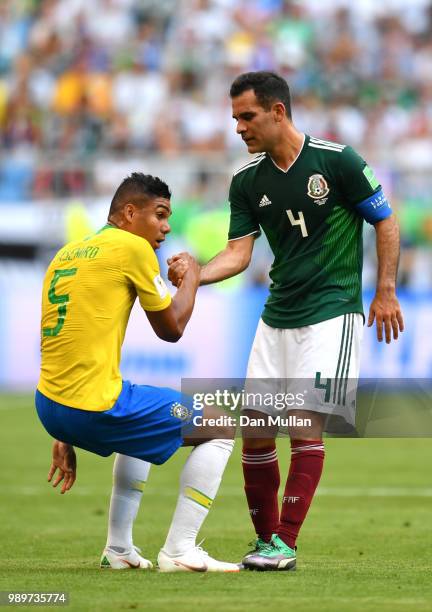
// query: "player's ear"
[[128, 211], [279, 112]]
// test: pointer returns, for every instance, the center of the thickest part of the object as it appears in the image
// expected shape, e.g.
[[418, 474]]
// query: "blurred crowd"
[[79, 76], [80, 79]]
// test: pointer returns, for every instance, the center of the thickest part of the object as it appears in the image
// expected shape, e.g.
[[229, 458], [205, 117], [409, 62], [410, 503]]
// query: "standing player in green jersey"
[[310, 198]]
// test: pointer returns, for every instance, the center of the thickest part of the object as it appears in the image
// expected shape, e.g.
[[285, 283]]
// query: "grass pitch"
[[366, 544]]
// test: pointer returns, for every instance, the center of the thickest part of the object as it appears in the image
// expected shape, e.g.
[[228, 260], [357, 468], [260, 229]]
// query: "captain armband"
[[374, 209]]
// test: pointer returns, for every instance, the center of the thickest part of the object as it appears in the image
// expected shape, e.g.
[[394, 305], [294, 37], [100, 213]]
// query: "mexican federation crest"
[[180, 412], [318, 188]]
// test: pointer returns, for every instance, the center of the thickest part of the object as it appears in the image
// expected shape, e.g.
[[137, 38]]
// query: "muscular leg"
[[308, 432], [199, 482]]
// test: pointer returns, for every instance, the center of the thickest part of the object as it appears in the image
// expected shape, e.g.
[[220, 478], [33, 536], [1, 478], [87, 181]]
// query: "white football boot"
[[111, 559], [194, 560]]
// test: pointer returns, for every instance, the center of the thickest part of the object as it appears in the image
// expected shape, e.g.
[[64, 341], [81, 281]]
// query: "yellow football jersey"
[[88, 293]]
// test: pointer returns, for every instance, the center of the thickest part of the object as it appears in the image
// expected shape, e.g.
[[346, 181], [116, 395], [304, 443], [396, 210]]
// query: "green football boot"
[[259, 544], [275, 556]]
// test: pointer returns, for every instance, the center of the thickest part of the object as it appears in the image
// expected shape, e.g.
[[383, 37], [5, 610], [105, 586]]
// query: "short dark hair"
[[138, 188], [268, 87]]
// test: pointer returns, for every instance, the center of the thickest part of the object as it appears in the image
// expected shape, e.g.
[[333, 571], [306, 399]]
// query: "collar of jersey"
[[302, 148], [105, 227]]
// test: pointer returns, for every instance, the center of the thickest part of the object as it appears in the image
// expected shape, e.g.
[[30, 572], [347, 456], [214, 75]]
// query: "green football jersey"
[[309, 216]]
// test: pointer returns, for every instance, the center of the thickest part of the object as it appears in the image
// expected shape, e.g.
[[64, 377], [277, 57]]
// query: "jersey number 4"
[[300, 222], [61, 300]]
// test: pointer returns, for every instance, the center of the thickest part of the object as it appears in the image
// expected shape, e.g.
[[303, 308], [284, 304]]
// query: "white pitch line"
[[374, 492], [230, 491]]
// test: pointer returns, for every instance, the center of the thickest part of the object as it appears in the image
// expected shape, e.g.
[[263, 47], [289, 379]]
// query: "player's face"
[[257, 126], [151, 221]]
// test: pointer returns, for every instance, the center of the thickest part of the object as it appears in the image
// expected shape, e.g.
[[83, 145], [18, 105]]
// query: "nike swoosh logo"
[[131, 564], [193, 568]]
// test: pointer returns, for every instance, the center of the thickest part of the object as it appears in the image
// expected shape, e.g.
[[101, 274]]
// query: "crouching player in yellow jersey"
[[89, 290]]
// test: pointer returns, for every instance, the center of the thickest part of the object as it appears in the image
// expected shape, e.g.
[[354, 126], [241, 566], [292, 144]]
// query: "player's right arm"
[[231, 261], [167, 315], [243, 230], [170, 323]]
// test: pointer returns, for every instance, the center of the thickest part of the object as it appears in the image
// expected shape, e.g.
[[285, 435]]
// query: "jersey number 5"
[[61, 300], [300, 221]]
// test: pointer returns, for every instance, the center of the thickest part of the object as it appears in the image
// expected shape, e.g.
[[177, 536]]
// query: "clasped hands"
[[178, 265]]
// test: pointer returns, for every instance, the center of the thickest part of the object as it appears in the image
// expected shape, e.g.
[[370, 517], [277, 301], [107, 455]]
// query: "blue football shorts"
[[146, 422]]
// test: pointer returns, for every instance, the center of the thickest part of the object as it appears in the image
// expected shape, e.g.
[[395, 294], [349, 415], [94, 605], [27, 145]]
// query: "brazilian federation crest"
[[318, 188], [180, 412]]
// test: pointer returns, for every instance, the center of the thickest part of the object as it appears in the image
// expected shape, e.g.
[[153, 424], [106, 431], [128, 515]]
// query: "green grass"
[[366, 544]]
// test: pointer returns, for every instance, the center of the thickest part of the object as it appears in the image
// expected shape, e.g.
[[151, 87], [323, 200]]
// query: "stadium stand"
[[88, 89]]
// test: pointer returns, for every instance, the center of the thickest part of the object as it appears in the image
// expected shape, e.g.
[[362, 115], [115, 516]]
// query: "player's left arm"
[[365, 195], [385, 308], [63, 460]]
